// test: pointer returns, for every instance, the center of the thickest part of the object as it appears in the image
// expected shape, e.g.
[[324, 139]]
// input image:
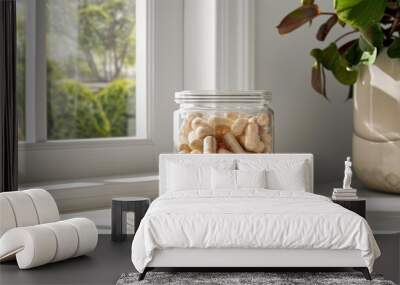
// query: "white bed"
[[248, 227]]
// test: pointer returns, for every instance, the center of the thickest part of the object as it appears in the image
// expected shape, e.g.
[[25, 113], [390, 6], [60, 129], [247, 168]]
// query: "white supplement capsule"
[[231, 142], [260, 147], [221, 130], [186, 126], [209, 145], [263, 119], [238, 126], [203, 131], [194, 142], [184, 147], [183, 138], [199, 122], [241, 140], [215, 121], [251, 138], [265, 137]]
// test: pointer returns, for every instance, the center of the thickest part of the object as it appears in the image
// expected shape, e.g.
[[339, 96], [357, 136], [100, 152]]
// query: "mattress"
[[250, 219]]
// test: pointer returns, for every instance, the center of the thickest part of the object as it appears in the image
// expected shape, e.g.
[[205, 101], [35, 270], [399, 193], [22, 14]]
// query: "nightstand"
[[121, 208], [357, 206]]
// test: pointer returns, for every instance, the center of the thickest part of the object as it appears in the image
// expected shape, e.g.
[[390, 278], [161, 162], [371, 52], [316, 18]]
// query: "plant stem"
[[327, 13], [344, 35]]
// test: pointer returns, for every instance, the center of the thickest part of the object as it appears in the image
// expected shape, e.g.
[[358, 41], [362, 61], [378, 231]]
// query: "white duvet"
[[250, 219]]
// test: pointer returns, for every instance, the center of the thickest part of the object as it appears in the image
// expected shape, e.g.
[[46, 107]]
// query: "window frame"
[[36, 154], [36, 97]]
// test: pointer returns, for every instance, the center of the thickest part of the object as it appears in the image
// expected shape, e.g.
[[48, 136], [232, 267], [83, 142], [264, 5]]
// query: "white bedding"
[[252, 218]]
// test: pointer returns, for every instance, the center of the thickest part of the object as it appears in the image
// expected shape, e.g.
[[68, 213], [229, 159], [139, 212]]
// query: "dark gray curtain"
[[8, 116]]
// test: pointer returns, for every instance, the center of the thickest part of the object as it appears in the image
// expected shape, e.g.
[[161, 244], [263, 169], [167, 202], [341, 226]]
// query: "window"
[[81, 55], [100, 80], [90, 69]]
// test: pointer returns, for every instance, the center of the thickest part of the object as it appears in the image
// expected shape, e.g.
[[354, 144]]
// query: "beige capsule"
[[215, 121], [265, 137], [231, 142], [260, 147], [193, 115], [241, 140], [252, 120], [183, 138], [209, 145], [195, 151], [203, 131], [263, 119], [186, 126], [238, 126], [251, 138], [221, 130], [184, 147], [194, 141], [199, 122]]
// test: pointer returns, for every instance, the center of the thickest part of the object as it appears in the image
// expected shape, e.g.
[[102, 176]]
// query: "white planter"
[[376, 137]]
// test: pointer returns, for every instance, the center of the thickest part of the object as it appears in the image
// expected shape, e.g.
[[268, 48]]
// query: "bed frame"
[[242, 259]]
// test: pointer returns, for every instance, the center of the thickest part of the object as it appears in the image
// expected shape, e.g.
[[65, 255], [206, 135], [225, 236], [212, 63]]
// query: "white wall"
[[305, 122]]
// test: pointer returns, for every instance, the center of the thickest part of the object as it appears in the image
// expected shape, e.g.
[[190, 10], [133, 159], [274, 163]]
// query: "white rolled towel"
[[40, 244]]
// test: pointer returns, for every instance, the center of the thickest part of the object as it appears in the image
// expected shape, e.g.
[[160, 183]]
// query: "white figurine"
[[347, 174]]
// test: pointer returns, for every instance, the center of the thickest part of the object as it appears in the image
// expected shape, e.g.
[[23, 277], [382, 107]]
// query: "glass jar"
[[223, 122]]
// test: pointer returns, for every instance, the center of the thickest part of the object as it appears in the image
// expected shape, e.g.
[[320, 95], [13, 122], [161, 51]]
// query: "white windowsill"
[[84, 143], [90, 182], [96, 193]]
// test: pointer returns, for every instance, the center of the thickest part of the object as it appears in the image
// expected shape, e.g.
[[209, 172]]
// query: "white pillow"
[[188, 175], [251, 178], [281, 174], [227, 179], [292, 178], [223, 179]]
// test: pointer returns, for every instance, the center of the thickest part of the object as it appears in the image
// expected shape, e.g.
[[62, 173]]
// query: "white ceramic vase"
[[376, 135]]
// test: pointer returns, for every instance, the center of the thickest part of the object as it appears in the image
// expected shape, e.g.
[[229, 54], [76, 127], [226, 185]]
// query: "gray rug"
[[268, 278]]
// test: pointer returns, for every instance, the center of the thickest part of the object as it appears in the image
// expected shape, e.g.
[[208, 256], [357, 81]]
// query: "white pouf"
[[31, 233]]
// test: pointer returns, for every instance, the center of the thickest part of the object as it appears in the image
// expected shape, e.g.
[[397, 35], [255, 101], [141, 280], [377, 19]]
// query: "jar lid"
[[222, 96]]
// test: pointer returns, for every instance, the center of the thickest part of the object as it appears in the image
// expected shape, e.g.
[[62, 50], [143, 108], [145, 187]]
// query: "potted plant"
[[366, 58]]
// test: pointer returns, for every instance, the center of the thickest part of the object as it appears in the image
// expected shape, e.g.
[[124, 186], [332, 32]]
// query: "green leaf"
[[325, 28], [360, 13], [332, 60], [317, 54], [353, 53], [394, 49], [297, 18], [374, 35], [369, 52]]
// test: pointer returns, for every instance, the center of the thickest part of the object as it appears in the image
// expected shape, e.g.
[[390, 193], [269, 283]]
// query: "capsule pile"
[[233, 132]]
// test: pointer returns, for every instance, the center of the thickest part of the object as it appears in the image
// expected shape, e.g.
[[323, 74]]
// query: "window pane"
[[20, 68], [90, 69]]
